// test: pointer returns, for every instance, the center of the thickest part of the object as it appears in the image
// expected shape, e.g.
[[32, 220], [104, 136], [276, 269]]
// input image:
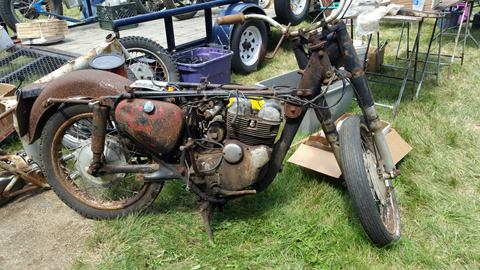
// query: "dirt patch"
[[38, 231]]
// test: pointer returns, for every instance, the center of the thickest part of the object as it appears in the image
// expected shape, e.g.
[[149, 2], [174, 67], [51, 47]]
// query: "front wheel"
[[249, 44], [291, 11], [374, 203], [19, 11], [66, 167]]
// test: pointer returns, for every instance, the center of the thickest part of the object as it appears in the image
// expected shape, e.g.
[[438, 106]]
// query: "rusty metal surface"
[[87, 84], [7, 112], [16, 165], [158, 130], [292, 111], [100, 119]]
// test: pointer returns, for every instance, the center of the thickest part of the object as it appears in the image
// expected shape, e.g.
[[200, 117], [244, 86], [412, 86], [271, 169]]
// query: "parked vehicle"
[[126, 140]]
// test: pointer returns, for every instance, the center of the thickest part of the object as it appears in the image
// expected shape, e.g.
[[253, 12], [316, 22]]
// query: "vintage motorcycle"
[[107, 146]]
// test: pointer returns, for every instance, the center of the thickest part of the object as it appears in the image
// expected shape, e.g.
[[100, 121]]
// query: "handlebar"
[[241, 18]]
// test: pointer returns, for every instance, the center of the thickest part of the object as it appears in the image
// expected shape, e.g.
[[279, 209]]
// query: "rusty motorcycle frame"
[[107, 146]]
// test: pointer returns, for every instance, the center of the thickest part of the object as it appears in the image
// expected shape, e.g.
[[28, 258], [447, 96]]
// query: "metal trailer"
[[248, 41]]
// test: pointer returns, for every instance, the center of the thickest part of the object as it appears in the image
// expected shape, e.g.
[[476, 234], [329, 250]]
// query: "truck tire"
[[291, 11], [249, 45]]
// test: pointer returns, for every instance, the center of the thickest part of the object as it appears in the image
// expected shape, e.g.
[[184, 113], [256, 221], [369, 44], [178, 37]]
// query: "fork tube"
[[313, 76], [364, 96]]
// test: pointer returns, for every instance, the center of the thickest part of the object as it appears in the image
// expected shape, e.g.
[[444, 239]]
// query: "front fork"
[[318, 72]]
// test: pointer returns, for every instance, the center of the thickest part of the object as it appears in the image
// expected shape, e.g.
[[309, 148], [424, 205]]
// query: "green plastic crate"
[[107, 14]]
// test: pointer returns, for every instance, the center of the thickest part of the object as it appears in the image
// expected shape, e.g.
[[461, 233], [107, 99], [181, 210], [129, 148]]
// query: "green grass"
[[306, 221]]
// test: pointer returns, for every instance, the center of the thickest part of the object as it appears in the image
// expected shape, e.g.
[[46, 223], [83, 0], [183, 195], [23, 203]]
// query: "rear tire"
[[376, 207], [293, 11], [65, 168]]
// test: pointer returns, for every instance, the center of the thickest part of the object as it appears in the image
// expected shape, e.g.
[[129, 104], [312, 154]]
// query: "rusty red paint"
[[159, 130]]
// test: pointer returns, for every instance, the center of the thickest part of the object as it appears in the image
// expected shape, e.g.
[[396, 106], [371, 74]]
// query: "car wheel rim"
[[249, 46], [297, 6]]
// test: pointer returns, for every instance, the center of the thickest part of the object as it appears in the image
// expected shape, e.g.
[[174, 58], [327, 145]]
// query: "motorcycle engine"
[[247, 136]]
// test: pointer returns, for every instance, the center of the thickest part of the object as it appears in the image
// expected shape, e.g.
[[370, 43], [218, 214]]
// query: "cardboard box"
[[372, 65], [408, 4], [315, 154], [7, 100], [42, 31]]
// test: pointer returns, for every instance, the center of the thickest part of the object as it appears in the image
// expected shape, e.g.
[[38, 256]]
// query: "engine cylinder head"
[[240, 106]]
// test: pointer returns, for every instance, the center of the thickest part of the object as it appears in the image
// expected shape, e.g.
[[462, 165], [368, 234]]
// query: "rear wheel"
[[291, 11], [66, 167], [148, 59], [18, 11], [374, 203]]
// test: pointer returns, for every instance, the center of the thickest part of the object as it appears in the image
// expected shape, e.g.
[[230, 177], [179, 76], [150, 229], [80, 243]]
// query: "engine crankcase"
[[244, 173], [157, 125]]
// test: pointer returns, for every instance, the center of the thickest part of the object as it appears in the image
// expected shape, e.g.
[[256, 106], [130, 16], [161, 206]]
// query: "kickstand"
[[207, 217]]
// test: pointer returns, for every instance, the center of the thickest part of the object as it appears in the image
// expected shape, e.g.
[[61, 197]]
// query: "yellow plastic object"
[[256, 104]]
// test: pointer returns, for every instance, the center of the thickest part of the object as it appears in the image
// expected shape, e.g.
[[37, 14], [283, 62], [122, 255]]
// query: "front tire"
[[18, 11], [291, 11], [65, 168], [148, 58], [249, 44], [375, 205]]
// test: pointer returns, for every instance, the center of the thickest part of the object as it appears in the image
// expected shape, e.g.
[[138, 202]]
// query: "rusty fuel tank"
[[155, 124]]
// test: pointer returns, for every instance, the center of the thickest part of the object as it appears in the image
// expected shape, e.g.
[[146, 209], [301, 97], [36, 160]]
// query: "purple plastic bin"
[[216, 69]]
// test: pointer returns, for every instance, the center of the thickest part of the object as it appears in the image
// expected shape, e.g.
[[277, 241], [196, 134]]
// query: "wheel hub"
[[113, 155], [142, 71], [246, 45], [379, 189]]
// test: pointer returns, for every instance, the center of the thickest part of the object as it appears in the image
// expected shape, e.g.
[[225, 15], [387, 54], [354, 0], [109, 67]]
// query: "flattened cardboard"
[[42, 29], [6, 124], [316, 159], [315, 154]]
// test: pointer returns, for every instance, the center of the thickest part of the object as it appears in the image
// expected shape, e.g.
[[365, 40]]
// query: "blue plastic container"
[[453, 22], [216, 69]]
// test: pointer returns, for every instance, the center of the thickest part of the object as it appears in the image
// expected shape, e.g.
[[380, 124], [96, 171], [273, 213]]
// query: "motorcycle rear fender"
[[222, 33], [82, 84]]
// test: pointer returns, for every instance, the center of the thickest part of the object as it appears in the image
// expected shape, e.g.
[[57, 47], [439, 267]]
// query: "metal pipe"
[[110, 45]]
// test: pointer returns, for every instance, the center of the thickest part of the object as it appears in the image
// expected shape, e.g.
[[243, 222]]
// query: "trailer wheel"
[[249, 44], [293, 11]]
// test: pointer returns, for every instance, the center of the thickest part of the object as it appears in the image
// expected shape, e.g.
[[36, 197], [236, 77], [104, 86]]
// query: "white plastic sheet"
[[369, 14]]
